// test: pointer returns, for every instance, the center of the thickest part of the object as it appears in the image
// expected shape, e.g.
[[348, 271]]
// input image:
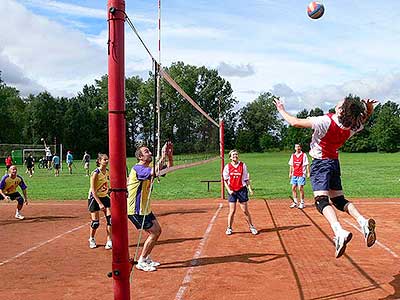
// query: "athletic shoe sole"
[[341, 250], [371, 236]]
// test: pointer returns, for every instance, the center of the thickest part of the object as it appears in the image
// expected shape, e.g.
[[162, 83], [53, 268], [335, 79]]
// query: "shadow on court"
[[267, 230], [183, 212], [395, 283], [169, 241], [247, 258], [38, 219]]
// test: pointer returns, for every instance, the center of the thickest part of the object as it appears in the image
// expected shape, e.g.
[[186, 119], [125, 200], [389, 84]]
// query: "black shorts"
[[93, 206], [137, 220], [15, 196], [241, 195]]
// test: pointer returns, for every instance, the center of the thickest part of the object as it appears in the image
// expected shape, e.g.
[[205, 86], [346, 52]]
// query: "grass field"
[[364, 175]]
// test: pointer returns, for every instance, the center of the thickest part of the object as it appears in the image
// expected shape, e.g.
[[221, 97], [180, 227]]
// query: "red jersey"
[[8, 161], [299, 163], [236, 176]]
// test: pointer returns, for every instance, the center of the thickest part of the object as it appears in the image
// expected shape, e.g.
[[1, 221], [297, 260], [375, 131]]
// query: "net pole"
[[158, 85], [222, 154], [117, 148]]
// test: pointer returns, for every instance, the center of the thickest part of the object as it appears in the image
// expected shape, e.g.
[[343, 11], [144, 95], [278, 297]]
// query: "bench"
[[208, 183]]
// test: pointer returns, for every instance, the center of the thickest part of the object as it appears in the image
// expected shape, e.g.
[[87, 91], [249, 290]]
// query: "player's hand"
[[8, 199], [26, 201], [370, 105], [230, 192], [102, 207], [279, 104], [251, 191]]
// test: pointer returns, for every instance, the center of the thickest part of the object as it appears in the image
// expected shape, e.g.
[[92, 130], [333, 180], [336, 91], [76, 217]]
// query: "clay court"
[[46, 256]]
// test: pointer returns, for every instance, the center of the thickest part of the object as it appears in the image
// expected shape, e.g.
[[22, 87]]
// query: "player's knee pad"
[[340, 202], [95, 224], [321, 202], [108, 218]]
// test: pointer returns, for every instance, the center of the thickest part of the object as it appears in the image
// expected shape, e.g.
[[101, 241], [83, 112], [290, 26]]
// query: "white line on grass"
[[42, 244], [197, 254], [377, 242]]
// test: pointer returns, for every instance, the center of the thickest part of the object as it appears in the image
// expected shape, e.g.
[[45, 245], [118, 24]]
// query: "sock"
[[336, 228], [295, 200], [141, 259], [302, 201], [361, 220]]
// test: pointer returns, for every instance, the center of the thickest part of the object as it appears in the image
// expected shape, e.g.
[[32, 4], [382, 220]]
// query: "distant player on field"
[[86, 162], [298, 170], [237, 183], [331, 131], [8, 190]]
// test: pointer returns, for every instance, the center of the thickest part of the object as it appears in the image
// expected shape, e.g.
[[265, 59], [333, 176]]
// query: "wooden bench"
[[208, 183]]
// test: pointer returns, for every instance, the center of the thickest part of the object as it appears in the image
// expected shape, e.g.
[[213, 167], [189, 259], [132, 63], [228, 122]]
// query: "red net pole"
[[117, 149], [222, 154]]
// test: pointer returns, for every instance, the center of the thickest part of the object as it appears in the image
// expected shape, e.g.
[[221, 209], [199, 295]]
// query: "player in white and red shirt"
[[299, 169], [237, 183], [331, 131]]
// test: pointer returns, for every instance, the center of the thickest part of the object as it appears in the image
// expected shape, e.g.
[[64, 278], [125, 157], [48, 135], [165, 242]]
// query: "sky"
[[257, 45]]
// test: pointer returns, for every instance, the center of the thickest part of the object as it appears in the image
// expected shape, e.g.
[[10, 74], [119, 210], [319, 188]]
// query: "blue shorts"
[[298, 180], [137, 220], [241, 195], [325, 175]]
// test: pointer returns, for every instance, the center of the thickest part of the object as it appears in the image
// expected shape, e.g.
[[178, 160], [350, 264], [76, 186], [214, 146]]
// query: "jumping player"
[[331, 131], [298, 170], [237, 183], [99, 200], [8, 190], [139, 209]]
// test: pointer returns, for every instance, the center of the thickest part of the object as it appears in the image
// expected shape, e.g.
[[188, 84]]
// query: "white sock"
[[337, 228], [302, 201], [295, 200], [141, 259], [361, 220]]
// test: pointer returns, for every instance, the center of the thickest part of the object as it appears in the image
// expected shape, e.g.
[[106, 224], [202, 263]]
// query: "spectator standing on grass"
[[56, 165], [69, 159], [29, 163], [139, 208], [99, 200], [237, 183], [86, 162], [8, 190], [298, 170], [331, 131], [8, 161]]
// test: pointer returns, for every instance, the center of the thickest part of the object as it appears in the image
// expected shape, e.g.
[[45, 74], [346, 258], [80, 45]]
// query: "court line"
[[377, 242], [188, 277], [42, 244]]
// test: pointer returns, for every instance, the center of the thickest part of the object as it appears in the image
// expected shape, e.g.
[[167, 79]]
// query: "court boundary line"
[[42, 244], [188, 276]]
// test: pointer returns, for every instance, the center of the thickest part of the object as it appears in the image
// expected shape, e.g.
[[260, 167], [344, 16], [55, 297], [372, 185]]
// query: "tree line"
[[80, 123]]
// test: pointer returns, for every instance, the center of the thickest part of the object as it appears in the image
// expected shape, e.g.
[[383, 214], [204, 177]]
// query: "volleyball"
[[315, 10]]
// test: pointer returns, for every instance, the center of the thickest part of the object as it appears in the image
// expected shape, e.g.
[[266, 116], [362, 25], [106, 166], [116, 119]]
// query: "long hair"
[[99, 157], [353, 114]]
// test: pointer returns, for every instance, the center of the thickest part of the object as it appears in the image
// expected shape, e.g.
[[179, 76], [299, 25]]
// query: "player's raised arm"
[[292, 120]]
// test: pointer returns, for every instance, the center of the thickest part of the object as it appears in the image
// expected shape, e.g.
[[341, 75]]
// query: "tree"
[[386, 132]]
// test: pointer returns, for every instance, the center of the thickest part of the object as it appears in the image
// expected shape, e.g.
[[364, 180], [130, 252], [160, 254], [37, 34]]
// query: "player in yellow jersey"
[[139, 208], [99, 200], [8, 190]]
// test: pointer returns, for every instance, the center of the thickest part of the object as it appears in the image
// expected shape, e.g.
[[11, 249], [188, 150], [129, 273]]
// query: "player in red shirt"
[[331, 131], [237, 183], [299, 169]]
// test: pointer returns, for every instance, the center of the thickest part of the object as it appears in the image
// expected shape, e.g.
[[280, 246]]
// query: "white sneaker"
[[253, 230], [144, 266], [108, 245], [301, 205], [369, 232], [92, 243], [341, 241], [228, 231], [19, 216], [151, 262], [293, 205]]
